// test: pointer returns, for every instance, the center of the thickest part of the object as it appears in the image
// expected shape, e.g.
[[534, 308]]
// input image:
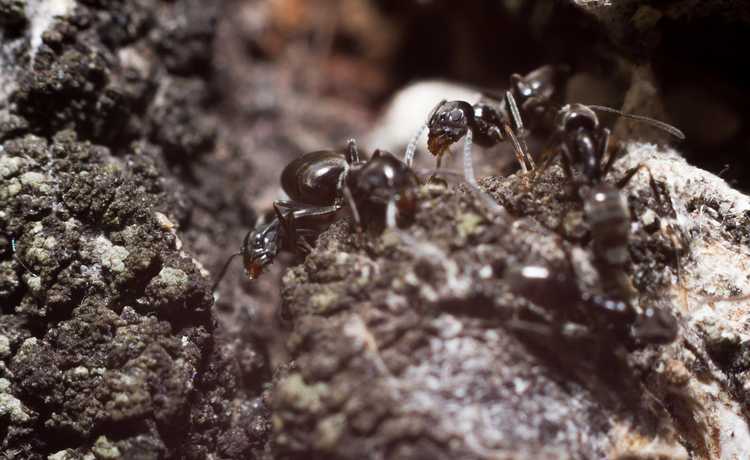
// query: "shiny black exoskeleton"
[[332, 178], [319, 184], [580, 314], [529, 98], [583, 144]]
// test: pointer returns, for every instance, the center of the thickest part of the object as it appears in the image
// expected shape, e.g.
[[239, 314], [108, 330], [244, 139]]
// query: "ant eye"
[[456, 116]]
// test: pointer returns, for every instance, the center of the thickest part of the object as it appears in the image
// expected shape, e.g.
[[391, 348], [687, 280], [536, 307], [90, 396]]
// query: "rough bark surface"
[[120, 174], [108, 343], [408, 347]]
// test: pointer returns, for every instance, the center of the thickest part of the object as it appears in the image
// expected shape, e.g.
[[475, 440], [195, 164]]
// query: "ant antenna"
[[655, 123], [411, 149], [224, 271], [471, 179], [18, 259]]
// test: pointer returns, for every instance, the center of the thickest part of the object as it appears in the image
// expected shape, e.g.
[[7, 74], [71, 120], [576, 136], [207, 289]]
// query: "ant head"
[[448, 122], [575, 116], [259, 248]]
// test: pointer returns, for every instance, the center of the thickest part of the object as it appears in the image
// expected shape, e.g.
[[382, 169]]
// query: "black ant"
[[583, 143], [529, 97], [318, 185], [580, 314]]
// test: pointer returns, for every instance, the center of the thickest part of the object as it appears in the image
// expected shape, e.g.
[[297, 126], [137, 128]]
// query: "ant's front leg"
[[288, 223], [433, 179], [303, 245], [349, 198], [521, 154], [630, 173], [518, 132], [291, 221]]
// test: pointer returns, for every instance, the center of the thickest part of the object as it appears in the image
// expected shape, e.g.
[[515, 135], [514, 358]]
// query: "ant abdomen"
[[313, 177], [608, 217]]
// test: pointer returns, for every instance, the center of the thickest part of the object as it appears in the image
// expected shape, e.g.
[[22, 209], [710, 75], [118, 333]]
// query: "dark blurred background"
[[353, 55]]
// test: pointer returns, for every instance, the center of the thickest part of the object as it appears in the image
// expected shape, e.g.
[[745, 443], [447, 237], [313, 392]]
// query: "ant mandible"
[[319, 184]]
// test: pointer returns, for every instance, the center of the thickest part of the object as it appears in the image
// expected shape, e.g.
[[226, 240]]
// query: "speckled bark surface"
[[409, 348], [138, 140], [109, 346]]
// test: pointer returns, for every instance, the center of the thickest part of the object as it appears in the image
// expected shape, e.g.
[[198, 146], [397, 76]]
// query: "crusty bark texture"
[[108, 343], [137, 141], [410, 346]]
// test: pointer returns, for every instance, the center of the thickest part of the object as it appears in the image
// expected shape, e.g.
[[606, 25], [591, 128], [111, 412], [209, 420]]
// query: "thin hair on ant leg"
[[224, 271], [655, 123], [18, 259]]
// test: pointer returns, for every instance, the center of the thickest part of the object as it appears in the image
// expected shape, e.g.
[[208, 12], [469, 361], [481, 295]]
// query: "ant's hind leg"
[[547, 159]]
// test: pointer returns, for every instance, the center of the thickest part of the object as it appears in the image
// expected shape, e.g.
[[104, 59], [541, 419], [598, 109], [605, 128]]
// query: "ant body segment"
[[319, 184]]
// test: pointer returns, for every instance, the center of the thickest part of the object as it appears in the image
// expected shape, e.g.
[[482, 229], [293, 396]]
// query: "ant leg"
[[629, 174], [352, 206], [604, 141], [304, 246], [352, 152], [288, 221], [438, 163], [411, 148], [547, 159], [521, 154], [518, 127]]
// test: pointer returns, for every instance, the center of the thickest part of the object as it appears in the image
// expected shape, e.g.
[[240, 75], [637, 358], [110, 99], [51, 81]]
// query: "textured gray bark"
[[117, 181], [108, 343], [407, 348]]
